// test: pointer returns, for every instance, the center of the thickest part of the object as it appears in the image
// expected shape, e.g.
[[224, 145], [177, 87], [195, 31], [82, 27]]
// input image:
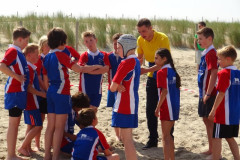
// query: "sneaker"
[[150, 144]]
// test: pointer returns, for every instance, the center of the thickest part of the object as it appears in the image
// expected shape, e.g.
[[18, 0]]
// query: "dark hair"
[[206, 32], [86, 117], [21, 32], [116, 36], [56, 37], [144, 22], [163, 52], [202, 23], [80, 100]]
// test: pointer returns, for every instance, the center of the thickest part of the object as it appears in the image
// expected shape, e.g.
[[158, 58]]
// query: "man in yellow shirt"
[[148, 43]]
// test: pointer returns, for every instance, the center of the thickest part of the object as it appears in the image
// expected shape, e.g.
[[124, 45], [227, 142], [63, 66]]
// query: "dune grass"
[[180, 32]]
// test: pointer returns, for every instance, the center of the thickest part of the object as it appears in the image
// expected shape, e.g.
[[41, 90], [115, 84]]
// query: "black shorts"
[[205, 109], [225, 131], [43, 106], [15, 112]]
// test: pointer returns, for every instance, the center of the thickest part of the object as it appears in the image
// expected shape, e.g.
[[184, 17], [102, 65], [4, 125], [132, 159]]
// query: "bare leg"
[[58, 134], [37, 138], [117, 131], [216, 148], [168, 144], [209, 129], [12, 137], [49, 135], [130, 151], [234, 148], [114, 156]]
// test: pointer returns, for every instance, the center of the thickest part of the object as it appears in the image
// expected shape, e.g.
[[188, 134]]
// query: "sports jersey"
[[56, 64], [208, 62], [125, 111], [229, 109], [85, 146], [39, 65], [114, 61], [69, 127], [160, 40], [89, 83], [17, 63], [71, 52], [166, 78], [33, 99]]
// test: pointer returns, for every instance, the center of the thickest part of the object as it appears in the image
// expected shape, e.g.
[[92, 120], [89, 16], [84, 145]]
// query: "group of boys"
[[222, 107]]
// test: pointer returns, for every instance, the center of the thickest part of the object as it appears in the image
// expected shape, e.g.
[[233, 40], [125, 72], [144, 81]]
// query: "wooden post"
[[20, 23], [77, 26]]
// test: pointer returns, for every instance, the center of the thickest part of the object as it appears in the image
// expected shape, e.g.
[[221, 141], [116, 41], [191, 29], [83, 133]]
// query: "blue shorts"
[[58, 103], [101, 158], [33, 117], [95, 99], [124, 120], [16, 99], [110, 98]]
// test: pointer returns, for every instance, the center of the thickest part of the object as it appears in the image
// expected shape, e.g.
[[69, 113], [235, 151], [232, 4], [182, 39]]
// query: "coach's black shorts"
[[225, 131], [205, 109]]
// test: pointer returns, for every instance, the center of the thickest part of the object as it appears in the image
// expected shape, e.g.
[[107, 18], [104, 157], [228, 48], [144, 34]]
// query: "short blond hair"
[[228, 51], [88, 34], [31, 48], [41, 41]]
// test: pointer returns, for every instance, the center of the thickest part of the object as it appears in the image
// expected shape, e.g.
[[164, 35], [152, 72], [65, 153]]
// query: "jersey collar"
[[55, 50], [32, 65], [166, 66], [131, 56], [16, 47], [205, 51], [231, 67], [93, 53]]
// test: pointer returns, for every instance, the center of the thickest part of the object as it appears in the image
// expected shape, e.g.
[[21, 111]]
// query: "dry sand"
[[190, 134]]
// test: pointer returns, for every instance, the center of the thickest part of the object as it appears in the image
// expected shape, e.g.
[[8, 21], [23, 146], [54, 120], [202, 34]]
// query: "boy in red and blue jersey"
[[91, 82], [207, 76], [55, 71], [114, 61], [90, 139], [15, 66], [32, 115], [79, 101], [226, 109]]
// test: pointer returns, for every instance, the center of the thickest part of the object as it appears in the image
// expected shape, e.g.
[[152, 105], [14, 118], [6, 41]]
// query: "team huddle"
[[39, 85]]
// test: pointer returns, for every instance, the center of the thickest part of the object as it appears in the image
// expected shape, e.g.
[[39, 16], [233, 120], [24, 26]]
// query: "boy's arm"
[[36, 92], [41, 83], [4, 69], [102, 70], [151, 69], [85, 69], [70, 136], [217, 102], [212, 82], [45, 81], [107, 152], [160, 102]]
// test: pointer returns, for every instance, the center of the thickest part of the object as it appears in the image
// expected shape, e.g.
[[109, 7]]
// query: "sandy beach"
[[190, 134]]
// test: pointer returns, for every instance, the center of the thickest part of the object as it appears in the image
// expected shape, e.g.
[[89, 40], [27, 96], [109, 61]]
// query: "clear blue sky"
[[223, 10]]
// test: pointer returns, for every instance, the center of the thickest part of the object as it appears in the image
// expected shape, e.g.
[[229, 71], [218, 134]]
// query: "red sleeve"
[[73, 52], [44, 71], [223, 80], [83, 59], [64, 59], [211, 60], [162, 78], [106, 60], [10, 56], [39, 66], [102, 140], [123, 69], [31, 74]]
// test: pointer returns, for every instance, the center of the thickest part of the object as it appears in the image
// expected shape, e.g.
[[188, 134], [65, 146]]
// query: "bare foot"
[[24, 152], [35, 149], [15, 158], [207, 152]]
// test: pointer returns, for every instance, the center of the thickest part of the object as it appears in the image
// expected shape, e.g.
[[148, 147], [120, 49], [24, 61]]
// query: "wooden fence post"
[[77, 27]]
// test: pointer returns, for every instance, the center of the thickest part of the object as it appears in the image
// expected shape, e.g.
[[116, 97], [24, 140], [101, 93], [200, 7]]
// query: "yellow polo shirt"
[[149, 48]]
